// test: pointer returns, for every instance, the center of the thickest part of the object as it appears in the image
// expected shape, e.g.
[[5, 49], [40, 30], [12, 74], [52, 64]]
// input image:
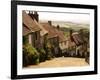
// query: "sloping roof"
[[43, 30], [26, 30], [71, 43], [60, 35], [77, 39], [50, 29], [54, 32], [27, 21]]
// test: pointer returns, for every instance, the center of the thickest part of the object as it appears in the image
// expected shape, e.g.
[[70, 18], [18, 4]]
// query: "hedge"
[[30, 55], [42, 55]]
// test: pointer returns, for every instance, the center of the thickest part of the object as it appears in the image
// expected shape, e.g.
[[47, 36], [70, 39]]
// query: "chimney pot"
[[58, 27], [71, 31], [50, 23], [34, 16]]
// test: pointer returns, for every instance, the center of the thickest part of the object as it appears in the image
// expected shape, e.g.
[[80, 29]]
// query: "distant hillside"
[[76, 26], [66, 26]]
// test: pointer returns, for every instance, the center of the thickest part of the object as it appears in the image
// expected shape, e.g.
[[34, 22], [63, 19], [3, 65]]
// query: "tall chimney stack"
[[34, 16], [50, 23], [31, 14], [71, 31], [58, 27]]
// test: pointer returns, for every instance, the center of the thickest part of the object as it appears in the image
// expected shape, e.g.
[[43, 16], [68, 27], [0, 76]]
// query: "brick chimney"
[[70, 33], [58, 27], [34, 15], [50, 23]]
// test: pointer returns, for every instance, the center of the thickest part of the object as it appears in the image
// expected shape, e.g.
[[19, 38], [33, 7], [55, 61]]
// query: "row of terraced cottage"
[[50, 38]]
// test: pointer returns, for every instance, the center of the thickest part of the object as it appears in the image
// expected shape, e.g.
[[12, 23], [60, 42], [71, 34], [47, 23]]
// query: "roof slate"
[[50, 29], [26, 30], [27, 20], [77, 39]]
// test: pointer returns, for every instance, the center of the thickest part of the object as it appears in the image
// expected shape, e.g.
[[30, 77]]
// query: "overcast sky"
[[72, 17]]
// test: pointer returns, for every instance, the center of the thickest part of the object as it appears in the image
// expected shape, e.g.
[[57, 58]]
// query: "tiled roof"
[[60, 35], [77, 39], [43, 30], [26, 30], [27, 20], [50, 29], [71, 43], [54, 32]]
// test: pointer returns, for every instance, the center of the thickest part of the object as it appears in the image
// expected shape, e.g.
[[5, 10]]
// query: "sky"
[[70, 17]]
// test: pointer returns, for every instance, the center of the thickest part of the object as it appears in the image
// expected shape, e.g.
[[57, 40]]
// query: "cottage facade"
[[79, 45], [43, 32], [52, 37], [34, 30]]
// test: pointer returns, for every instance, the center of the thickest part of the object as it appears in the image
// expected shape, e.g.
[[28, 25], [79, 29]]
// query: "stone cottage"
[[43, 32], [77, 45], [30, 30]]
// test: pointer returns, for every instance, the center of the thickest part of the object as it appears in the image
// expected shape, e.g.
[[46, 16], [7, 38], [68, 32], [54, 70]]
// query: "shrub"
[[48, 45], [87, 57], [49, 54], [42, 54], [25, 40], [30, 55]]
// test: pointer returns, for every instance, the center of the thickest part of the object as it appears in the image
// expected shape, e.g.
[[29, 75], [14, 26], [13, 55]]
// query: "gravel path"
[[61, 62]]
